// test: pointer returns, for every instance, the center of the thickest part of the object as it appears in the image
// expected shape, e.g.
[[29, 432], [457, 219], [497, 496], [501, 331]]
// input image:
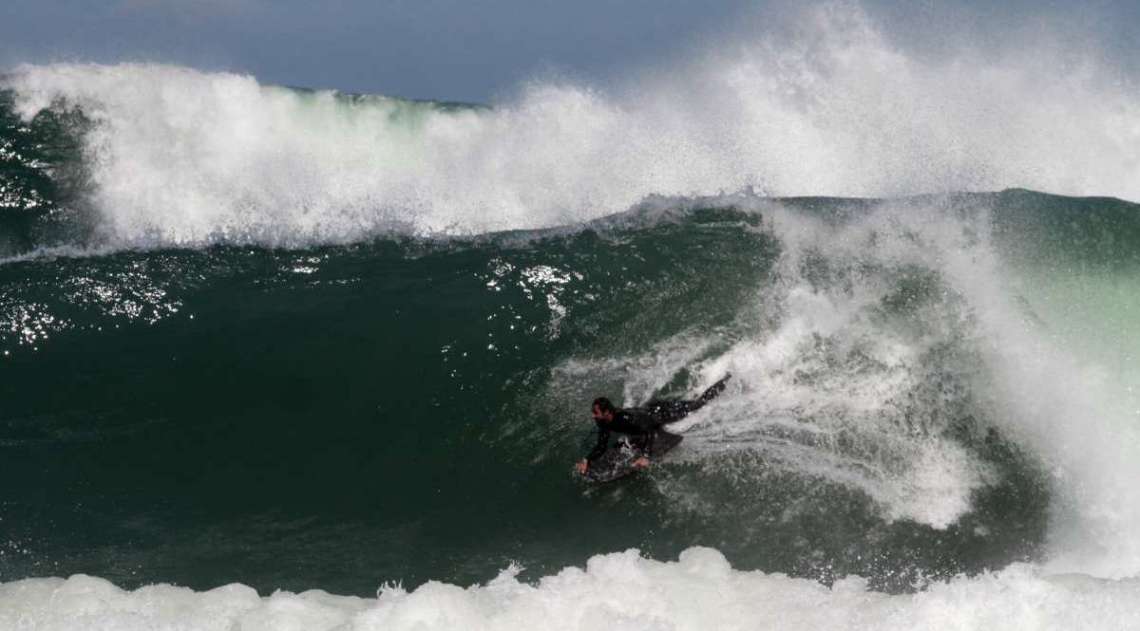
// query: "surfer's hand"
[[582, 466], [641, 462]]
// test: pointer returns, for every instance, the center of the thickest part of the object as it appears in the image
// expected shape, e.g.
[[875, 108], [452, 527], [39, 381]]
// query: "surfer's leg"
[[670, 411], [680, 409], [713, 391], [673, 410]]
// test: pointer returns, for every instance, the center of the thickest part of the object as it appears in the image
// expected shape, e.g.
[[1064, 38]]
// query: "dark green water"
[[391, 411], [406, 409]]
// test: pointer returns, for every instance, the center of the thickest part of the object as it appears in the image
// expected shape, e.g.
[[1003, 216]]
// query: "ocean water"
[[288, 359]]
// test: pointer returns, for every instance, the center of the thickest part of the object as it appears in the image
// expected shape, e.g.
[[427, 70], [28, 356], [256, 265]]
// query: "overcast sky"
[[474, 50]]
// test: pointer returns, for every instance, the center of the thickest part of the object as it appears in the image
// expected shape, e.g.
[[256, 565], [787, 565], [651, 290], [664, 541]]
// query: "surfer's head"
[[603, 409]]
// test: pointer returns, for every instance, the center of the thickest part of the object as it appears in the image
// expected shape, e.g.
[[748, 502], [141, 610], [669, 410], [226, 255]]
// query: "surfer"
[[642, 425]]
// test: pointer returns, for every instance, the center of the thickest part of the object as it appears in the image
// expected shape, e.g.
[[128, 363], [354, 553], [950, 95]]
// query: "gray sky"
[[476, 50]]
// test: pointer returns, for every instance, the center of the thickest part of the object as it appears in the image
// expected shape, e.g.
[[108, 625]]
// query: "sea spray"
[[183, 157]]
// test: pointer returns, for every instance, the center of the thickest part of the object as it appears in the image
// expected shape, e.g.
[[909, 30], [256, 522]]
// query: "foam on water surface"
[[700, 591]]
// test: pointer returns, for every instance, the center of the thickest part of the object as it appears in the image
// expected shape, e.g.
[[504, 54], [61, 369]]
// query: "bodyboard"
[[617, 463]]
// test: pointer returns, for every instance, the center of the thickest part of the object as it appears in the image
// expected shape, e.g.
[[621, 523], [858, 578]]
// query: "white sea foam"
[[1067, 409], [822, 393], [700, 591], [835, 371], [1076, 417], [186, 157]]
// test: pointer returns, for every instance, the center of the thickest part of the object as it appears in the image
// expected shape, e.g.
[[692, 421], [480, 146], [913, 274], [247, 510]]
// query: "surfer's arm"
[[600, 447]]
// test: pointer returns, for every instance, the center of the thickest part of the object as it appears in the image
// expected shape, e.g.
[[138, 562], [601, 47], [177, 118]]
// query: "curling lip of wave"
[[182, 157]]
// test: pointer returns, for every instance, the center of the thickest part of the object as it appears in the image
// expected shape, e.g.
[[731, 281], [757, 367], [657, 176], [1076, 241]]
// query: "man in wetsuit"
[[642, 425]]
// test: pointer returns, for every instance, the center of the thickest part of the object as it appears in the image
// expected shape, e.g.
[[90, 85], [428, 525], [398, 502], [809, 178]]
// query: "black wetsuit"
[[643, 425]]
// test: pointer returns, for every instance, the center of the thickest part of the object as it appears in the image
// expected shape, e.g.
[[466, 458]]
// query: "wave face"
[[923, 390], [173, 156], [278, 339]]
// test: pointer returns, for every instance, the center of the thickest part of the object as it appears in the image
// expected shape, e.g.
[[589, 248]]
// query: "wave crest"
[[182, 157]]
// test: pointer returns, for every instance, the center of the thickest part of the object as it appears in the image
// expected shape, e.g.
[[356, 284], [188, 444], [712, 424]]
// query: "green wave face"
[[410, 408]]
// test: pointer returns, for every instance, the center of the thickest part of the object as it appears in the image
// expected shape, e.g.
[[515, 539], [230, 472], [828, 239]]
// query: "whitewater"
[[832, 109], [699, 591], [934, 417]]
